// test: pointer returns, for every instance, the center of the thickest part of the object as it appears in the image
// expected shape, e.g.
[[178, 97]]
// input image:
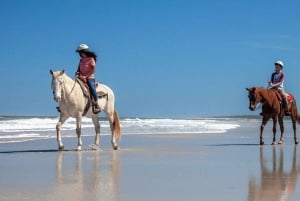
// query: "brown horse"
[[272, 108]]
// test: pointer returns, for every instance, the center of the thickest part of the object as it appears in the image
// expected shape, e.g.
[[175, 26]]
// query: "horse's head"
[[56, 84], [254, 98]]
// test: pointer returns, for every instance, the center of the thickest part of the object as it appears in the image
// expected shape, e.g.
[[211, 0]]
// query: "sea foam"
[[31, 128]]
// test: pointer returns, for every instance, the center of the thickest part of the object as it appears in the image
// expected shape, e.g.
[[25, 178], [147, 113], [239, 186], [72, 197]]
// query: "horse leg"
[[275, 119], [96, 123], [263, 124], [294, 119], [281, 129], [60, 122], [78, 132], [112, 128]]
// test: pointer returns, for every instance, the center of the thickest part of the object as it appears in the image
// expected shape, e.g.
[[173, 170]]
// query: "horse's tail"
[[294, 104], [117, 126]]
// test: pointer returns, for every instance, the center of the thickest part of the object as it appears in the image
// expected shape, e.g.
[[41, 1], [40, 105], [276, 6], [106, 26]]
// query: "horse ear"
[[62, 72], [252, 89], [51, 72]]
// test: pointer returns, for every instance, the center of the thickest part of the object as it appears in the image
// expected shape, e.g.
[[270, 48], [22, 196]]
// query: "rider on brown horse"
[[277, 79]]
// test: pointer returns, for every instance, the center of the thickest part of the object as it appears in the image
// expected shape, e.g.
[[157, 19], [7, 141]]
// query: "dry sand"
[[209, 167]]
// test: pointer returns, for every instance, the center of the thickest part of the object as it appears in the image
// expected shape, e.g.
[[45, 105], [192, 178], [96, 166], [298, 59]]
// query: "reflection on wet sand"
[[278, 180], [87, 176]]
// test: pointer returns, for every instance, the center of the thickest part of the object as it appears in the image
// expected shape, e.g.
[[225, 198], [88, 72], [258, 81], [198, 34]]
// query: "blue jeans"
[[92, 86]]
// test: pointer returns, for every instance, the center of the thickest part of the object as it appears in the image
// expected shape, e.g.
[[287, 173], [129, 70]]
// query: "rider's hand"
[[83, 78], [271, 84]]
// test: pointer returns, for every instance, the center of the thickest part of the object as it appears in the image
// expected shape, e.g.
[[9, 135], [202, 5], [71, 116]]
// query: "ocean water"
[[20, 129]]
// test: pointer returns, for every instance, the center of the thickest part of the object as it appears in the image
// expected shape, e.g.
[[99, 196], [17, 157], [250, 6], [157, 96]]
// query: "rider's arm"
[[278, 83]]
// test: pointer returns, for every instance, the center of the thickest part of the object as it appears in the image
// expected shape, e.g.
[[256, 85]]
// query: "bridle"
[[254, 100], [57, 86]]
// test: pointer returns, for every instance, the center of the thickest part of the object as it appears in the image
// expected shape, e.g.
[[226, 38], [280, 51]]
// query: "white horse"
[[73, 103]]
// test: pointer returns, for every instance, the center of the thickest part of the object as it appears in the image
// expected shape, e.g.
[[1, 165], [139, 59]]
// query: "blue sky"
[[162, 58]]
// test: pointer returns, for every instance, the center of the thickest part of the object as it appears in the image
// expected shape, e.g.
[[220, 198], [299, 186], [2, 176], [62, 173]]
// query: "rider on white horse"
[[86, 72], [74, 103]]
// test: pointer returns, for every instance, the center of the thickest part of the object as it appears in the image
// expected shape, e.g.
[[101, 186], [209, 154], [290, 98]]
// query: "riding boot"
[[95, 106], [285, 106]]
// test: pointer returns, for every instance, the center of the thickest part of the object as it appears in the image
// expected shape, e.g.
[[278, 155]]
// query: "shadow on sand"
[[231, 144]]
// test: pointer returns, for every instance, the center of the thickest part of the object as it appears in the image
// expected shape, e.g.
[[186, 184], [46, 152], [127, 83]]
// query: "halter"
[[254, 99]]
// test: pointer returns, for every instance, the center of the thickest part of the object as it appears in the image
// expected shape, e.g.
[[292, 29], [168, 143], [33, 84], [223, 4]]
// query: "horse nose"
[[251, 107]]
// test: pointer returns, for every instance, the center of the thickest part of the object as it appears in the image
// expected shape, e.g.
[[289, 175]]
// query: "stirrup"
[[96, 109]]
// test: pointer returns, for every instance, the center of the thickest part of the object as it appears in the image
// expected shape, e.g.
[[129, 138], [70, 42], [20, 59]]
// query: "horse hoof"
[[297, 141], [61, 148], [115, 147], [280, 142], [262, 142], [274, 143], [78, 148], [94, 147]]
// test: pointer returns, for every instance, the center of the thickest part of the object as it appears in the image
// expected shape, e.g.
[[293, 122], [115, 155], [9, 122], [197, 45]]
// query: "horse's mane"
[[68, 78], [65, 75], [259, 87], [268, 95]]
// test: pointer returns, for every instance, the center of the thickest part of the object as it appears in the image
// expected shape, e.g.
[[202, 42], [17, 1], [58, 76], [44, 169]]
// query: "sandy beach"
[[210, 167]]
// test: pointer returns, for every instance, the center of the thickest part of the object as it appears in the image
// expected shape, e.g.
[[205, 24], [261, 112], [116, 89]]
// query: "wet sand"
[[210, 167]]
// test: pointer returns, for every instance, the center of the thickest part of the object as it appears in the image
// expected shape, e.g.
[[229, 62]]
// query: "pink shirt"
[[86, 66]]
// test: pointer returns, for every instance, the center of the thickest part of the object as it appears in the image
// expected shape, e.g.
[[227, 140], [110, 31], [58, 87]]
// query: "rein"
[[259, 105], [88, 104], [63, 92], [268, 98]]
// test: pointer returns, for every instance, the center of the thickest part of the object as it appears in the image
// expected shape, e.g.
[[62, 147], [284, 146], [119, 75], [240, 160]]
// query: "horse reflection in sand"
[[276, 183], [74, 103], [95, 176]]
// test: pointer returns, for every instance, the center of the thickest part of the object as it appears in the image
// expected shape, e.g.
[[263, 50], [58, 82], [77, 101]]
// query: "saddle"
[[100, 94], [84, 88], [86, 92], [290, 97]]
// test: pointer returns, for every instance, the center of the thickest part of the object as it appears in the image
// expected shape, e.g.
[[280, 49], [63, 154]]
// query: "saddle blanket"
[[290, 97]]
